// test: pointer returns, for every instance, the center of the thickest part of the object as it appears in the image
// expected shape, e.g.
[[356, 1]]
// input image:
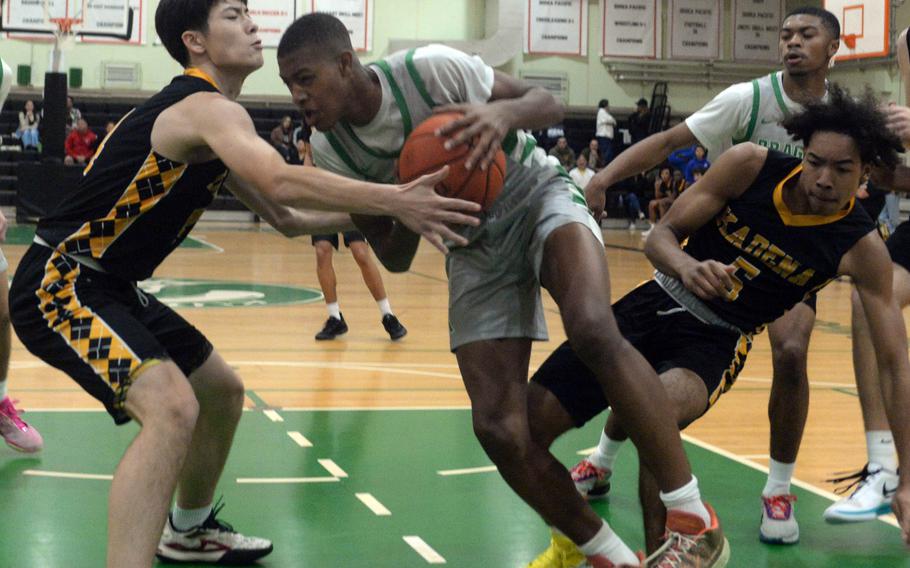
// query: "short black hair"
[[604, 103], [642, 102], [858, 118], [317, 29], [829, 20], [173, 17]]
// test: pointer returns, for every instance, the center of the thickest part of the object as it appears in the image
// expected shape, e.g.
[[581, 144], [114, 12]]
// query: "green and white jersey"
[[747, 112], [413, 83], [6, 81]]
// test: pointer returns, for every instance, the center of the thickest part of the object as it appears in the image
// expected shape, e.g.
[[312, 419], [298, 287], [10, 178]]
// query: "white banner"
[[272, 17], [558, 27], [756, 30], [99, 16], [631, 28], [357, 15], [104, 16], [695, 29]]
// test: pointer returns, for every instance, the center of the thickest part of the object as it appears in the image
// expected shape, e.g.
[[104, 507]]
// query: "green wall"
[[589, 79]]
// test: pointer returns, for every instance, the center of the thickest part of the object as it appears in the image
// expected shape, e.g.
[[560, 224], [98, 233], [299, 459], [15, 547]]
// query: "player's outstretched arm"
[[288, 221], [215, 122], [869, 265], [727, 179]]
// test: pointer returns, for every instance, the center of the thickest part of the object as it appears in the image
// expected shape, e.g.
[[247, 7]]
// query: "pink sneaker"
[[17, 433]]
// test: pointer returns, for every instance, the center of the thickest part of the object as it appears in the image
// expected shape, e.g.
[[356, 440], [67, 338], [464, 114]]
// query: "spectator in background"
[[665, 191], [581, 174], [639, 121], [80, 144], [593, 155], [73, 115], [696, 175], [698, 162], [27, 133], [563, 153], [302, 131], [281, 138], [604, 130]]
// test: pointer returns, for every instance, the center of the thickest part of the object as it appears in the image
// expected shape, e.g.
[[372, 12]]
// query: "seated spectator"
[[680, 158], [27, 133], [696, 175], [80, 144], [698, 162], [592, 154], [563, 153], [581, 174], [302, 131], [281, 138], [73, 115], [665, 192]]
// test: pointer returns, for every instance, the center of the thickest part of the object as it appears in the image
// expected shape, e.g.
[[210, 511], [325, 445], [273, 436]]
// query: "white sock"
[[2, 390], [185, 519], [334, 310], [384, 307], [606, 543], [687, 499], [779, 475], [880, 447], [605, 454]]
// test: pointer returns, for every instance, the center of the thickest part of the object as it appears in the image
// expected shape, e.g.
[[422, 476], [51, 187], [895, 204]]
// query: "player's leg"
[[17, 433], [335, 325], [788, 408], [373, 279]]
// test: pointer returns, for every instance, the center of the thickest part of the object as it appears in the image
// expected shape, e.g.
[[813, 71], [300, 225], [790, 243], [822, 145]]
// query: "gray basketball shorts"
[[494, 282]]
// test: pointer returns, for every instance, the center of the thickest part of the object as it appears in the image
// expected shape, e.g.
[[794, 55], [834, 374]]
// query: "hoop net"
[[850, 41]]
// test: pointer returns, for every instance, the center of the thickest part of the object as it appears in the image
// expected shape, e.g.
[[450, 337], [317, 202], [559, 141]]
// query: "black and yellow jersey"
[[132, 206], [780, 257]]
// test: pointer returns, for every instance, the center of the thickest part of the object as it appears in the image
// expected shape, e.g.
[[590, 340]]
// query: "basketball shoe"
[[591, 481], [212, 542], [333, 328], [18, 434], [690, 544], [874, 489], [562, 553], [393, 327], [778, 522]]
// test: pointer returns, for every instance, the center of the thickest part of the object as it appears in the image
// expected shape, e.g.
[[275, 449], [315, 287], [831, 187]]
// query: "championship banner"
[[756, 30], [357, 15], [108, 16], [631, 28], [557, 27], [272, 17], [695, 29]]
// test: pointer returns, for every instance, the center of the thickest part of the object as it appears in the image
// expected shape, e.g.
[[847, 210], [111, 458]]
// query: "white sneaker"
[[875, 487], [212, 542], [591, 481], [778, 522]]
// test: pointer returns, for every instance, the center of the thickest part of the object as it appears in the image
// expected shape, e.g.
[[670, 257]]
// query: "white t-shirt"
[[747, 112], [605, 124], [580, 178]]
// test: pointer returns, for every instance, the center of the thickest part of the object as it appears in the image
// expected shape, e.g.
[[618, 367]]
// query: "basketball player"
[[75, 303], [764, 231], [875, 483], [17, 433], [538, 233], [748, 112]]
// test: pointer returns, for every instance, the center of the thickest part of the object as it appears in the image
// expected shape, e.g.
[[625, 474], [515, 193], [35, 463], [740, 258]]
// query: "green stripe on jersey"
[[778, 94], [753, 117], [342, 153], [418, 80], [399, 97]]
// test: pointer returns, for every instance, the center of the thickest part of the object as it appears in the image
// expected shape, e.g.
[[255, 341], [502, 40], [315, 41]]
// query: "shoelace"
[[213, 523], [856, 479], [8, 409], [678, 544], [780, 506]]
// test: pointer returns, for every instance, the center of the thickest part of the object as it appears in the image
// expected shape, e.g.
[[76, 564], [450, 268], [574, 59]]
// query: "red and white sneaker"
[[591, 481], [690, 544], [212, 542], [18, 434], [778, 521]]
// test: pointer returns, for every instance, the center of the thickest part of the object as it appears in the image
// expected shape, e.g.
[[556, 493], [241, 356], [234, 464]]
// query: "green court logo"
[[188, 293]]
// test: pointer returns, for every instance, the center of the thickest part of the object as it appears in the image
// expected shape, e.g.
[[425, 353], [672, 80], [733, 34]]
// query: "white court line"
[[65, 475], [300, 439], [273, 416], [366, 408], [467, 471], [287, 479], [755, 456], [586, 451], [424, 549], [798, 482], [345, 366], [332, 468], [373, 504]]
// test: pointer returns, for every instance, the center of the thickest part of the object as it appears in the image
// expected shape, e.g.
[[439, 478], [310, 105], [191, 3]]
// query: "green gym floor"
[[380, 486]]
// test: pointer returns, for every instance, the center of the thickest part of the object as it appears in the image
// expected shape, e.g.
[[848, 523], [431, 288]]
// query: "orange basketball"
[[424, 153]]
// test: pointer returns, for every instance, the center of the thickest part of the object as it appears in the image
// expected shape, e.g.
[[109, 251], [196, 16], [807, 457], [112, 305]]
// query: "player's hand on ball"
[[708, 279], [485, 124], [429, 214]]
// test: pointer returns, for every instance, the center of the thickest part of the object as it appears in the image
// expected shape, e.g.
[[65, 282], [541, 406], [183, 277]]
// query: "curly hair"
[[858, 118]]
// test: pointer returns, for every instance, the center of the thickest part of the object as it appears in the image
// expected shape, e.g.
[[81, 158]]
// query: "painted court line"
[[66, 475], [424, 549], [467, 471], [373, 504], [274, 480], [300, 439], [273, 416], [332, 468]]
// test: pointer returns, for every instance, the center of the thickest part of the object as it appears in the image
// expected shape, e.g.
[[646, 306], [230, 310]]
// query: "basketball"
[[424, 153]]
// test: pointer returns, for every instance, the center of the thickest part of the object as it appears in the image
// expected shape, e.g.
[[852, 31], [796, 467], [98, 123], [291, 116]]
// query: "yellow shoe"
[[562, 553]]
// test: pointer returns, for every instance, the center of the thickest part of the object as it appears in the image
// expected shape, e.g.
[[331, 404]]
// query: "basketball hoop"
[[850, 41], [64, 39]]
